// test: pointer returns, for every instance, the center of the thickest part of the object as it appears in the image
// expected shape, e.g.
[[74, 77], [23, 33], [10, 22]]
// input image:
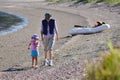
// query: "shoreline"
[[15, 27]]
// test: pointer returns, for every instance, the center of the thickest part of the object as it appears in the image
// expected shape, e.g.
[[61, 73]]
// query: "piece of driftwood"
[[78, 26]]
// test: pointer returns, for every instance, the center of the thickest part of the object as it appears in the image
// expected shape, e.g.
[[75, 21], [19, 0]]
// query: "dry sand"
[[70, 52]]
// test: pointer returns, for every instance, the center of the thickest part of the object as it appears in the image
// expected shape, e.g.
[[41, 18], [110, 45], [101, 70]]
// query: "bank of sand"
[[14, 45], [69, 58]]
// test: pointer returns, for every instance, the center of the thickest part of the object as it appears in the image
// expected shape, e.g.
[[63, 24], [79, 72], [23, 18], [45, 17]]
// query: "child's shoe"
[[36, 66], [33, 66]]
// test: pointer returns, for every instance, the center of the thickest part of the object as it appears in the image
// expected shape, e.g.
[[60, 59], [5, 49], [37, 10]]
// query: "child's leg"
[[32, 60], [36, 61]]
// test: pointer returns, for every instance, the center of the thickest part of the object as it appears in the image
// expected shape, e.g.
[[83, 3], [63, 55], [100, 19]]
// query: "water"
[[14, 27]]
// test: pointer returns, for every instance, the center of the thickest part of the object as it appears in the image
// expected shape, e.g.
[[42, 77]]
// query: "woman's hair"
[[47, 16]]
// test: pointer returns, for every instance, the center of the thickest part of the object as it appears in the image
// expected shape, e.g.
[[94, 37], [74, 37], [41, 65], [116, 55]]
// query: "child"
[[34, 46]]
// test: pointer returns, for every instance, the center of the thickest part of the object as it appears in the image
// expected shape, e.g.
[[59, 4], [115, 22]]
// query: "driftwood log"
[[78, 26]]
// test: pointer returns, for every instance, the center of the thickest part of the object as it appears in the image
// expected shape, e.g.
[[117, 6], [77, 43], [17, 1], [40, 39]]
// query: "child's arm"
[[29, 45], [37, 44]]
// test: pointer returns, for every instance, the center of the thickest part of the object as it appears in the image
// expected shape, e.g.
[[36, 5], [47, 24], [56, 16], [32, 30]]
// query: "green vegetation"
[[6, 20], [87, 1], [107, 1], [112, 1], [106, 69]]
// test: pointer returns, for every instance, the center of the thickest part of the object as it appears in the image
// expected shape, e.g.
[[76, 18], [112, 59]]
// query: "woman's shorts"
[[48, 43], [34, 53]]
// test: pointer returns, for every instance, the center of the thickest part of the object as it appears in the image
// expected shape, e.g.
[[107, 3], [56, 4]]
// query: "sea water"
[[14, 27]]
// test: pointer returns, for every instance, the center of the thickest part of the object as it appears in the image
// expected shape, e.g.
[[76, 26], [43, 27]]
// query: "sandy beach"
[[70, 52]]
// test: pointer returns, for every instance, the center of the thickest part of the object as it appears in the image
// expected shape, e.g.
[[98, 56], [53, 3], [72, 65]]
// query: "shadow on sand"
[[16, 69]]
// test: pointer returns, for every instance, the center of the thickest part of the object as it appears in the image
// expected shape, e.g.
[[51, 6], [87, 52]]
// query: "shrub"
[[87, 1], [108, 68]]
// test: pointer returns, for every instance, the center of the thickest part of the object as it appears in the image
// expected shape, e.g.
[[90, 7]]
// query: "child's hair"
[[35, 36]]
